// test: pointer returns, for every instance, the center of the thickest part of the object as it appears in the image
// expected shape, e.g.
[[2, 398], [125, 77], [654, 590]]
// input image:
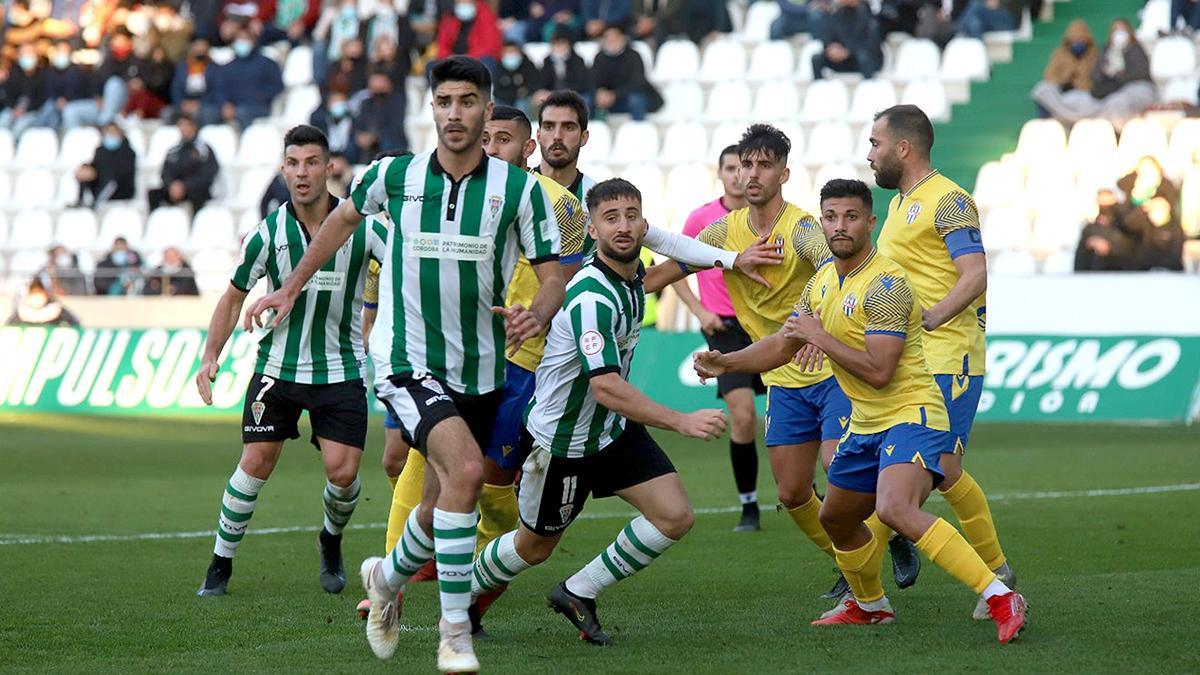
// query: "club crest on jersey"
[[914, 210], [257, 408], [565, 512], [433, 385], [849, 304], [494, 204]]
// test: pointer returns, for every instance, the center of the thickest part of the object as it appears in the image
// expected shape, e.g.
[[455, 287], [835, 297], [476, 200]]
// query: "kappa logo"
[[565, 512], [849, 304], [913, 211], [257, 409]]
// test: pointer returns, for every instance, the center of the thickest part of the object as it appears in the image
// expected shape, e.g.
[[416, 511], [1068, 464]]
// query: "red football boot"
[[1008, 611], [851, 614]]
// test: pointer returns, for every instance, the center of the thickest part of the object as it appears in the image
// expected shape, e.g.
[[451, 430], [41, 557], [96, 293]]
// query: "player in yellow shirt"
[[932, 231], [806, 412], [861, 314]]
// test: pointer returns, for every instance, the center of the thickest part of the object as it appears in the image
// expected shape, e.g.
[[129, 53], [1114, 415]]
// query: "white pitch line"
[[25, 539]]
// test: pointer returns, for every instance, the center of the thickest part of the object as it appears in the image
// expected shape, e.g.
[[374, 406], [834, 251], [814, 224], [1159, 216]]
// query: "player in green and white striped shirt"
[[311, 360], [584, 427], [460, 220]]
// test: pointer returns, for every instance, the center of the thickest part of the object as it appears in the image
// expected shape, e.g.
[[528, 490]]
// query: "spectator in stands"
[[388, 24], [171, 31], [1070, 66], [334, 119], [516, 79], [188, 172], [242, 90], [800, 16], [564, 69], [1152, 199], [1121, 87], [386, 58], [523, 21], [349, 74], [190, 82], [174, 276], [274, 196], [340, 175], [597, 14], [852, 41], [337, 25], [61, 273], [120, 272], [111, 173], [1186, 12], [982, 16], [699, 20], [620, 78], [472, 30], [66, 82], [379, 124], [1110, 242], [37, 307], [289, 20], [112, 77], [150, 90], [24, 91], [936, 19]]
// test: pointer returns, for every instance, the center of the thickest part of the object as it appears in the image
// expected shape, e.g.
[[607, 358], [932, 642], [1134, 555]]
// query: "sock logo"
[[257, 409]]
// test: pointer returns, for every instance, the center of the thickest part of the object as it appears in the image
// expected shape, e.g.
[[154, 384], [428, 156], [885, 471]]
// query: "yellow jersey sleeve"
[[808, 241], [805, 305], [955, 211], [887, 306], [717, 234], [371, 286]]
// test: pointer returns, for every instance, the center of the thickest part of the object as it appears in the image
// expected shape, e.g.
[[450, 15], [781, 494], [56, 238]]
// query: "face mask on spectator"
[[511, 61], [465, 12], [338, 109], [61, 61], [27, 62], [1079, 48], [349, 11], [120, 258], [1120, 38], [63, 261], [111, 142], [243, 48], [560, 53], [170, 269]]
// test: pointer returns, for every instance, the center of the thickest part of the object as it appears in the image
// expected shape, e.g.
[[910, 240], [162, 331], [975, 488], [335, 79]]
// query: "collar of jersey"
[[333, 202], [610, 272], [921, 182], [862, 265], [436, 167]]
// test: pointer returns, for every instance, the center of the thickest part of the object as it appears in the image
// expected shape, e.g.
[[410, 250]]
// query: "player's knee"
[[952, 471], [743, 426], [535, 550], [342, 476], [792, 495], [257, 463], [675, 524], [393, 464], [896, 514]]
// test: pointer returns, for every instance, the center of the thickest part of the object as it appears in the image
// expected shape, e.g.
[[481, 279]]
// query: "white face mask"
[[465, 12], [63, 260], [1120, 38], [511, 61]]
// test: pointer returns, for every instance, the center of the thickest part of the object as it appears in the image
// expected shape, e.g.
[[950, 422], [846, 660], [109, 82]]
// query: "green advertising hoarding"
[[1030, 378]]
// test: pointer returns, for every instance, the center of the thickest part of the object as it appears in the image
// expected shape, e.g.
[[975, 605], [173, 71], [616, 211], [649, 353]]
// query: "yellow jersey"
[[925, 230], [762, 311], [876, 298], [371, 286], [572, 225]]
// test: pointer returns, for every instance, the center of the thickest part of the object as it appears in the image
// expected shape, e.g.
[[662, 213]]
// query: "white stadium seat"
[[930, 96], [796, 137], [33, 188], [1156, 17], [825, 100], [599, 144], [681, 101], [871, 96], [1005, 228], [649, 180], [1012, 264], [167, 226], [723, 60], [726, 134], [1181, 90], [677, 60], [32, 229], [1190, 204], [1173, 56], [1091, 142], [831, 171], [213, 227], [251, 186], [78, 146], [223, 141], [798, 188], [77, 229], [1041, 139], [1059, 262], [261, 145], [804, 70], [647, 55], [1183, 151], [635, 142], [1139, 138], [137, 139], [248, 221], [684, 142], [5, 190], [828, 143], [776, 101], [688, 186], [7, 147], [759, 17], [587, 51], [26, 262], [536, 52], [917, 59], [772, 59], [37, 147], [164, 138], [1049, 187], [300, 104], [729, 100], [298, 69], [120, 221], [862, 147], [1055, 231], [965, 59], [998, 184], [212, 268], [3, 231], [67, 191]]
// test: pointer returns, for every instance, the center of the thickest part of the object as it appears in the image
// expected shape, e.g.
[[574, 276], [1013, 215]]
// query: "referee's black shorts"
[[731, 339]]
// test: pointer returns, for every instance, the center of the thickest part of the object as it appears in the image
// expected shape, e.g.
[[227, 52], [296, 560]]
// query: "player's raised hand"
[[705, 424], [520, 324], [274, 306], [708, 364], [205, 378], [810, 358], [760, 253]]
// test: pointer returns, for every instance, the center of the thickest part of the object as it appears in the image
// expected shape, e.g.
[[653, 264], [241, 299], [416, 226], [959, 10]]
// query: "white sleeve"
[[689, 251]]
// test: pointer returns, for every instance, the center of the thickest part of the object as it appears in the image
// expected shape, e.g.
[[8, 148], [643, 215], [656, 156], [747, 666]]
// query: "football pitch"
[[107, 530]]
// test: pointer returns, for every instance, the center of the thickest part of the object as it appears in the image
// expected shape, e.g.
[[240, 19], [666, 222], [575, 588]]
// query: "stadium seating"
[[161, 142], [120, 221], [1140, 138], [635, 142], [261, 145], [298, 69], [729, 100], [930, 96], [38, 147], [759, 16], [34, 188], [724, 61], [78, 146], [682, 100], [776, 100], [223, 141], [32, 229], [1173, 57], [213, 227], [871, 96], [77, 229], [685, 142], [677, 60], [829, 142], [917, 59], [771, 60], [1091, 142], [7, 147], [166, 226], [825, 100]]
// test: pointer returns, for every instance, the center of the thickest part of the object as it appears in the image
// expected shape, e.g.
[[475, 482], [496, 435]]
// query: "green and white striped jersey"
[[320, 341], [450, 256], [594, 333]]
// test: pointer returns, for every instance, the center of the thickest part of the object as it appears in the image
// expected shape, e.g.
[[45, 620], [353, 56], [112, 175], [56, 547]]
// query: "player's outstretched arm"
[[339, 225], [688, 254], [762, 356], [875, 366], [220, 327], [972, 282], [521, 323], [619, 396]]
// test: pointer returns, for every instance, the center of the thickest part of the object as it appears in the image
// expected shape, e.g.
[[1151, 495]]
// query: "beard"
[[887, 176], [567, 160], [620, 256], [844, 249], [471, 138]]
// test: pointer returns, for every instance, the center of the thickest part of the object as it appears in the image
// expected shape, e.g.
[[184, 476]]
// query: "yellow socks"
[[881, 532], [497, 513], [971, 508], [861, 569], [405, 496], [951, 552], [807, 516]]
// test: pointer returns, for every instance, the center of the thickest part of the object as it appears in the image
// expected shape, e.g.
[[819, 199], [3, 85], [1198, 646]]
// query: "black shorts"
[[733, 338], [420, 404], [554, 489], [271, 412]]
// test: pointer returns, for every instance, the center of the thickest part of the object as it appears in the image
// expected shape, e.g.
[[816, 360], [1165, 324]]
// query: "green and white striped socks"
[[454, 541], [635, 547], [237, 505], [413, 550], [498, 563], [339, 505]]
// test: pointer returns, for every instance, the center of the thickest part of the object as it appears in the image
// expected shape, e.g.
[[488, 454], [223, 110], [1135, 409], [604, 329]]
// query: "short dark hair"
[[306, 134], [617, 26], [460, 68], [185, 117], [566, 98], [847, 187], [610, 189], [765, 138], [729, 150], [504, 113], [909, 122]]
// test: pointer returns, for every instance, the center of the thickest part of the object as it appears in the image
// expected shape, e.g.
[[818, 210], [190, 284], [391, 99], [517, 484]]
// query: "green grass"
[[1111, 579]]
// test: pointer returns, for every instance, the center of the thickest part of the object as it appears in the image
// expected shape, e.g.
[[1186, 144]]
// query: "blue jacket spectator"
[[852, 41], [242, 90], [597, 14], [379, 124]]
